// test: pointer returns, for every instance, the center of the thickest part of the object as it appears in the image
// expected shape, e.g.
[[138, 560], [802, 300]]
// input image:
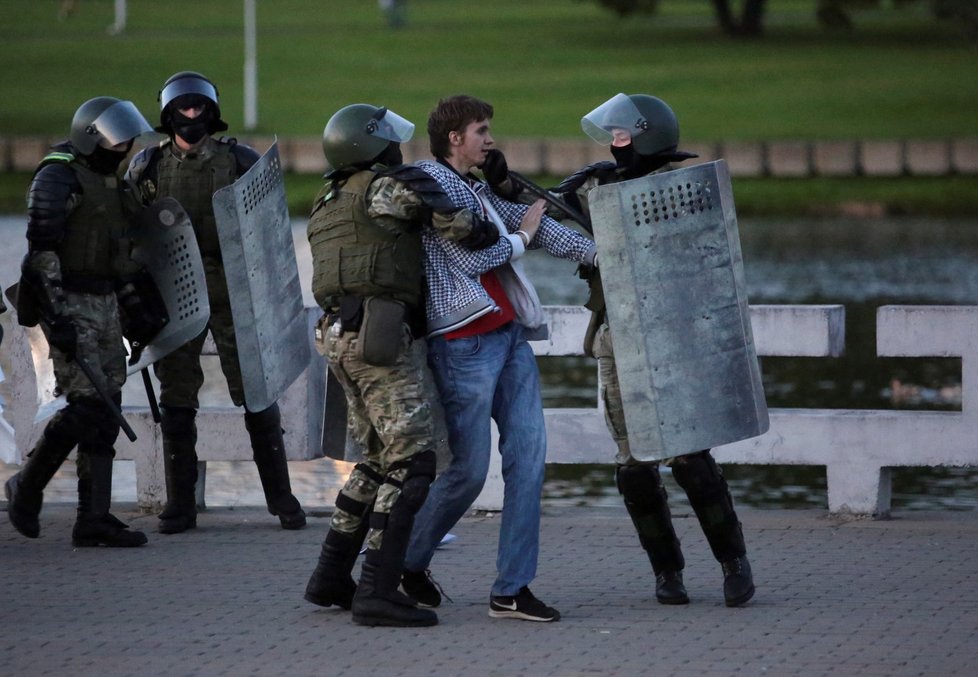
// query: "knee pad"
[[95, 424], [698, 474], [369, 481], [264, 420], [640, 485], [420, 475]]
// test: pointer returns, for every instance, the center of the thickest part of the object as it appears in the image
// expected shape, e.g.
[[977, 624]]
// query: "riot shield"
[[164, 242], [263, 281], [672, 270]]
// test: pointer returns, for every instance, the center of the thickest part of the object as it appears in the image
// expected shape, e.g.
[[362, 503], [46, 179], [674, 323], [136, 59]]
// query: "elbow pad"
[[244, 157], [484, 234], [53, 194], [424, 186]]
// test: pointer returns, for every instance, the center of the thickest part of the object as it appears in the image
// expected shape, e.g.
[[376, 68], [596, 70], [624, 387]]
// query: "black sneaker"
[[523, 606], [421, 587]]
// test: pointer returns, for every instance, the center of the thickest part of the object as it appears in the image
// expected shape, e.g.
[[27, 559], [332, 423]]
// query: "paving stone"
[[834, 596]]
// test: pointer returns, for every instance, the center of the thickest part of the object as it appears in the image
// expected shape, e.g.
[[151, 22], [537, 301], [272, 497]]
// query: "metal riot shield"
[[263, 281], [164, 242], [672, 270]]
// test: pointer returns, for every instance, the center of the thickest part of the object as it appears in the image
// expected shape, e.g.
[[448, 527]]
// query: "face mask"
[[391, 156], [105, 161], [191, 130], [634, 165], [623, 155]]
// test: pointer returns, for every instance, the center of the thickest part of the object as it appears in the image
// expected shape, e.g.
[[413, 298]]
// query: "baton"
[[11, 294], [109, 402], [154, 406], [552, 199], [135, 353]]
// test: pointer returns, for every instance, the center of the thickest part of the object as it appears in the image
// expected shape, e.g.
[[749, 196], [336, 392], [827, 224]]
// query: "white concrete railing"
[[858, 447], [221, 432]]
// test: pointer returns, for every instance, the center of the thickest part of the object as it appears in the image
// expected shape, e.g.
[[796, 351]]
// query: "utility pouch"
[[381, 331], [24, 303]]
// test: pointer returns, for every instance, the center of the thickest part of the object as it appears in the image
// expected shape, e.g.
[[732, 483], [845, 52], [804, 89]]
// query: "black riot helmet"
[[647, 120], [106, 121], [185, 89], [359, 134]]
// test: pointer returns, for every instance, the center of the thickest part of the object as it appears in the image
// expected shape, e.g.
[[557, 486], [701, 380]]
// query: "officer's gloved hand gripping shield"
[[262, 275], [672, 270]]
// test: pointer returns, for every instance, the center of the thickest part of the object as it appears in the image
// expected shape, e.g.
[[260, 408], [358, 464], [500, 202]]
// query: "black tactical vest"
[[352, 256], [94, 244], [192, 179]]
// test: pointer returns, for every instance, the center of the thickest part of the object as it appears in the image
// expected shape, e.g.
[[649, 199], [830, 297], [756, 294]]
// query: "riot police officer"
[[368, 267], [643, 136], [75, 278], [190, 166]]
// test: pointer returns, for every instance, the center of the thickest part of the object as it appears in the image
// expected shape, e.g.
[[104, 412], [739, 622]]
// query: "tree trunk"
[[750, 22]]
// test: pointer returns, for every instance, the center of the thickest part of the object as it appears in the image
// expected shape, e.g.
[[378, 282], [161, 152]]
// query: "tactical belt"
[[87, 284], [350, 314]]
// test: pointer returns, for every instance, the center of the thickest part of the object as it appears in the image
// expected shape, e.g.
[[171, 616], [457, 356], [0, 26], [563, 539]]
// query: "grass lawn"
[[898, 74], [543, 64]]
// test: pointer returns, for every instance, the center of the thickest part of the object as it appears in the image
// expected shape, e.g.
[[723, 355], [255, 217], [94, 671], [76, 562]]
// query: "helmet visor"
[[388, 125], [121, 122], [188, 85], [617, 118]]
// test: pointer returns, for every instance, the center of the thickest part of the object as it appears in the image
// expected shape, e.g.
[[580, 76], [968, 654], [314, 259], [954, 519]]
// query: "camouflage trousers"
[[180, 373], [393, 413], [99, 345]]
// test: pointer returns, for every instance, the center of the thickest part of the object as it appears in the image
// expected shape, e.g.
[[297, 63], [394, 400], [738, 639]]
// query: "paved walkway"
[[835, 597]]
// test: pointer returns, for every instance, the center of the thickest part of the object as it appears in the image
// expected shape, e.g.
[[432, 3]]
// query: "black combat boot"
[[377, 600], [332, 581], [709, 496], [738, 582], [179, 432], [25, 490], [265, 429], [95, 525], [647, 504]]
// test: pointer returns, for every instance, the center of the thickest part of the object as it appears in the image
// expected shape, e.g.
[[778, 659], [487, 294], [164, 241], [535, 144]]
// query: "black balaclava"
[[191, 130], [390, 156], [633, 165], [106, 161]]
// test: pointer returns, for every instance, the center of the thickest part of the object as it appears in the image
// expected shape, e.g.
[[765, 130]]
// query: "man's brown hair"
[[453, 114]]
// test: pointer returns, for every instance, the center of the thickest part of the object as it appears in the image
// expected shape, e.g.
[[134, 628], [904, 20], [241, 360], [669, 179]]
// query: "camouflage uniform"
[[192, 177], [639, 482], [391, 413], [72, 280]]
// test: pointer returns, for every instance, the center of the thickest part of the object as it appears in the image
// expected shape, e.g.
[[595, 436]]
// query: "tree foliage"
[[746, 18]]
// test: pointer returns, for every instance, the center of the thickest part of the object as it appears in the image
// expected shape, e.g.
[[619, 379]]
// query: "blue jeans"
[[495, 376]]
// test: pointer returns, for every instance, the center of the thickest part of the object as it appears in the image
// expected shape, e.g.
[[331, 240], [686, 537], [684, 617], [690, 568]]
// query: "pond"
[[861, 263]]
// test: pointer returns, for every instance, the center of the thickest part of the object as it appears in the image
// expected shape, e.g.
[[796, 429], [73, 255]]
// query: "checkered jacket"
[[455, 295]]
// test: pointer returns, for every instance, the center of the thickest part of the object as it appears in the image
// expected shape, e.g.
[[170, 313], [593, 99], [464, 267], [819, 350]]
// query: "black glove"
[[62, 335], [495, 169], [142, 312]]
